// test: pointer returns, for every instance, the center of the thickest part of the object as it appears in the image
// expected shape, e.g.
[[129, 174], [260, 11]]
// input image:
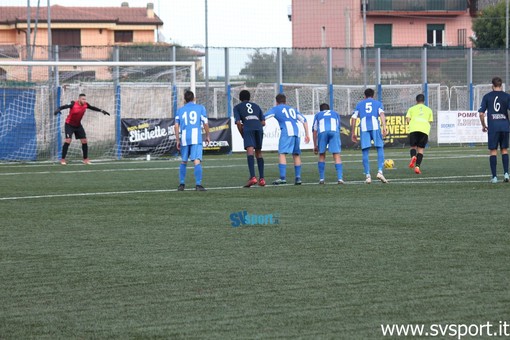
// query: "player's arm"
[[177, 137], [207, 136], [353, 127], [237, 119], [315, 137], [383, 123], [93, 108], [303, 121], [63, 107], [481, 114], [240, 127]]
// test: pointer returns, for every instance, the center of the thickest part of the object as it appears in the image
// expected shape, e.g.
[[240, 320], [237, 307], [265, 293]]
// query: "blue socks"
[[182, 173], [366, 165], [505, 162], [339, 171], [322, 168], [297, 169], [283, 171], [380, 159], [198, 174]]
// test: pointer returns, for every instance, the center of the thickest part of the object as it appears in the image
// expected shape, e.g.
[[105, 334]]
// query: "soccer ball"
[[389, 164]]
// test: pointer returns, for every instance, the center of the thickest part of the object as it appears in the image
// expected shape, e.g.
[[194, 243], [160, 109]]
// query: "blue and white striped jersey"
[[287, 117], [190, 118], [368, 111], [327, 120]]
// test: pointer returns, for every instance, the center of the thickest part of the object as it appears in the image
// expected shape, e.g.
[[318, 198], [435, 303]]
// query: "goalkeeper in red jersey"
[[73, 125]]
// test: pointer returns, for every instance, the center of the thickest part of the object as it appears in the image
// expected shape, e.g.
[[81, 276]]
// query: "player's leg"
[[339, 168], [322, 143], [504, 139], [366, 164], [321, 166], [413, 149], [335, 148], [250, 152], [285, 146], [379, 145], [185, 150], [296, 155], [422, 140], [249, 146], [493, 141], [80, 134], [260, 166], [196, 157], [69, 131]]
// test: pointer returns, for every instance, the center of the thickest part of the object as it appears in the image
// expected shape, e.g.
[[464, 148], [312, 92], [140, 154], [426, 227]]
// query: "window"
[[123, 36], [461, 37], [435, 34], [382, 35], [69, 42]]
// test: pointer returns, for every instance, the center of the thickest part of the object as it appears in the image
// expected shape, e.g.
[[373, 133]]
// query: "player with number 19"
[[188, 135], [288, 118]]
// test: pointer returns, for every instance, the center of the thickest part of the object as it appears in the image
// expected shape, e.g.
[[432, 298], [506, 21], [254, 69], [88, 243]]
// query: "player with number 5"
[[368, 111], [188, 135], [288, 118]]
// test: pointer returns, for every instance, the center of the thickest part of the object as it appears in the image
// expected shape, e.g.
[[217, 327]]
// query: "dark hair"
[[369, 93], [281, 99], [497, 82], [82, 95], [324, 107], [420, 98], [244, 95], [189, 96]]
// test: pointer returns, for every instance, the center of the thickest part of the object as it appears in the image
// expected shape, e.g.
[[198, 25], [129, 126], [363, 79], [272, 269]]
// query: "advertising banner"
[[221, 136], [141, 136], [459, 127]]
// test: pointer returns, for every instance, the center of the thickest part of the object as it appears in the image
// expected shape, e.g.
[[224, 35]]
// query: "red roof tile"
[[119, 15]]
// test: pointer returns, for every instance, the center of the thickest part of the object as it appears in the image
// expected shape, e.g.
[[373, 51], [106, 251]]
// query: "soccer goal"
[[31, 91]]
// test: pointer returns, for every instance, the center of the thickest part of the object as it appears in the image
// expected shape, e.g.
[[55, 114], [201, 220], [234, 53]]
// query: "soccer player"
[[326, 134], [288, 118], [73, 126], [188, 134], [250, 120], [369, 110], [496, 105], [418, 118]]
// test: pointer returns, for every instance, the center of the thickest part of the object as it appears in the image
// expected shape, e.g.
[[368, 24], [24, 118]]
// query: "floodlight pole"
[[506, 43], [365, 43], [206, 56]]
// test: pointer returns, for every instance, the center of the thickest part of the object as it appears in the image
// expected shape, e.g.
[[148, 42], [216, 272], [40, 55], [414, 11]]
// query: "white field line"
[[429, 180], [172, 167]]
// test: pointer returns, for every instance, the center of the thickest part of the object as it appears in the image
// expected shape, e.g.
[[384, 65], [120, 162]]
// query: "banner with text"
[[141, 136], [221, 136], [459, 127]]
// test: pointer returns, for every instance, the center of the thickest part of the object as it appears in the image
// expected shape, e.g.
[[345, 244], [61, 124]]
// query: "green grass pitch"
[[112, 250]]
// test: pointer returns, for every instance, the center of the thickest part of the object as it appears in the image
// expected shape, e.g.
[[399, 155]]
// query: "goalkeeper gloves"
[[56, 112], [105, 113]]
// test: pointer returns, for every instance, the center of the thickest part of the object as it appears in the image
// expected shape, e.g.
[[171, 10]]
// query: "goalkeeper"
[[73, 125]]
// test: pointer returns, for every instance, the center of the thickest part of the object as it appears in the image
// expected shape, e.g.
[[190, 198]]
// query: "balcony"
[[416, 7]]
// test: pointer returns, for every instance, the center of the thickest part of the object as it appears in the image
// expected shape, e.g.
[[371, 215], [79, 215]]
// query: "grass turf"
[[112, 250]]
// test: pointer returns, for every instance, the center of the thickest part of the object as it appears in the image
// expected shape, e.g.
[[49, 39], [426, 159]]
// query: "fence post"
[[58, 100], [116, 85], [424, 79], [378, 73], [279, 70], [174, 81], [227, 82], [470, 78], [330, 79]]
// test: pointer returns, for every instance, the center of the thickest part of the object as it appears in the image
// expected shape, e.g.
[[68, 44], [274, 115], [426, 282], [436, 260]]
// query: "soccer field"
[[113, 250]]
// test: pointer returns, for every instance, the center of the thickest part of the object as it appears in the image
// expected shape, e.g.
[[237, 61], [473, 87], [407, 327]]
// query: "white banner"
[[272, 135], [459, 127]]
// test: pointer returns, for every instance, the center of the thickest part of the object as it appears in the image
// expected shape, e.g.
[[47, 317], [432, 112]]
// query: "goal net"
[[143, 94]]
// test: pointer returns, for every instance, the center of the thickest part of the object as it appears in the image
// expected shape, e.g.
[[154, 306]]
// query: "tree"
[[490, 27]]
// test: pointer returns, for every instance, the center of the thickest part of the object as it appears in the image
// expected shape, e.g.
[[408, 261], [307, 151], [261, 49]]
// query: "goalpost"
[[30, 91]]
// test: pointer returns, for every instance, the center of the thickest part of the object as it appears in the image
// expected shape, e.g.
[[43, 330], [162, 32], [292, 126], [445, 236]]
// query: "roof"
[[61, 14]]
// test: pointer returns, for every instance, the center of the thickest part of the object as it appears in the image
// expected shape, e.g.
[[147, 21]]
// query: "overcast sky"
[[231, 23]]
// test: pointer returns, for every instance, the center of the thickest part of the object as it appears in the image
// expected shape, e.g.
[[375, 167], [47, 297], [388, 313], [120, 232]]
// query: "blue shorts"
[[367, 137], [329, 140], [253, 138], [192, 152], [289, 145], [498, 137]]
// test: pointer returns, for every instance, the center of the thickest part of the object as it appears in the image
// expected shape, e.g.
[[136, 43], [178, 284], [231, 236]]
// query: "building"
[[76, 27], [389, 23]]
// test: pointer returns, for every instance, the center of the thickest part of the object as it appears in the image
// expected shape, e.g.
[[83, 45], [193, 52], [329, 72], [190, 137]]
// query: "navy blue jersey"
[[496, 104], [249, 114]]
